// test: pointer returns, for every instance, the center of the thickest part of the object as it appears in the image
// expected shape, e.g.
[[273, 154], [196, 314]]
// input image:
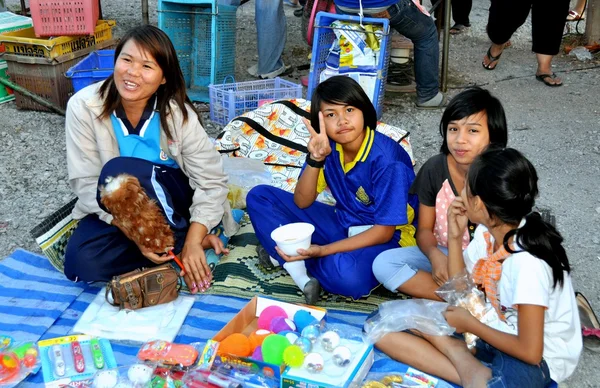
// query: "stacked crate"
[[63, 32], [9, 22]]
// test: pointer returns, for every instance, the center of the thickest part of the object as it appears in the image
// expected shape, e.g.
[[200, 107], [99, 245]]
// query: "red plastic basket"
[[64, 17]]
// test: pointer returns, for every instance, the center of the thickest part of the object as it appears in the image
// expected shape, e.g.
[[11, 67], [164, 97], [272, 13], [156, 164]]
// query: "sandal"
[[574, 16], [590, 326], [492, 60], [545, 77], [458, 28]]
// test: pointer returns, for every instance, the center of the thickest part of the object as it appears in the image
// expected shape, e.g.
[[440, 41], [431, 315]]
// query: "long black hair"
[[342, 90], [472, 101], [506, 182], [157, 44]]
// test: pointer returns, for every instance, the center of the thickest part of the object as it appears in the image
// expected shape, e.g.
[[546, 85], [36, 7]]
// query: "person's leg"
[[577, 12], [547, 24], [271, 31], [406, 270], [505, 17], [97, 251], [418, 353], [406, 18], [461, 9]]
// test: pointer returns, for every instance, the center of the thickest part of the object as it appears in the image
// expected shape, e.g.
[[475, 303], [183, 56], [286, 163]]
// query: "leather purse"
[[144, 287]]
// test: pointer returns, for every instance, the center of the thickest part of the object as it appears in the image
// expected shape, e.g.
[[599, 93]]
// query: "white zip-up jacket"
[[91, 143]]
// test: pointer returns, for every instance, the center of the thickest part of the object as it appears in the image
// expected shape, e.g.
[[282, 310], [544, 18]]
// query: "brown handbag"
[[144, 287]]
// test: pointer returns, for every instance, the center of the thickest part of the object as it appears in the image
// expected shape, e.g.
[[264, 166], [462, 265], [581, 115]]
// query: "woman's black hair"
[[341, 90], [472, 101], [506, 182], [156, 43]]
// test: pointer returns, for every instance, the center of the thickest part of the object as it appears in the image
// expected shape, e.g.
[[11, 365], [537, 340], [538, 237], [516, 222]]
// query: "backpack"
[[275, 134]]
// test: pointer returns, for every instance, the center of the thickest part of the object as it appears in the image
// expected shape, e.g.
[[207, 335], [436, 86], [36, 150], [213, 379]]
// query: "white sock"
[[274, 262], [297, 270]]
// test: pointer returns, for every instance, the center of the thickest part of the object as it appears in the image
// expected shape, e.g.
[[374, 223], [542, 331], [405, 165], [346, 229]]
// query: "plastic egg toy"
[[105, 379], [139, 374], [341, 356], [330, 340], [313, 362], [304, 344], [311, 332]]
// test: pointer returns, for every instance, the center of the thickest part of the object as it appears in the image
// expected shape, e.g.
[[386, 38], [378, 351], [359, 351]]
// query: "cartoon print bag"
[[275, 134]]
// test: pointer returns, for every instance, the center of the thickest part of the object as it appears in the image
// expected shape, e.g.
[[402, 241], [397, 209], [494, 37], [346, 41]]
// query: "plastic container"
[[25, 43], [291, 237], [46, 79], [203, 33], [323, 39], [95, 67], [229, 100], [64, 17], [9, 22]]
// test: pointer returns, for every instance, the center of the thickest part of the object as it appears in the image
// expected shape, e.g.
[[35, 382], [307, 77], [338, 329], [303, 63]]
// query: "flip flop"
[[458, 29], [574, 16], [590, 326], [492, 60], [544, 78]]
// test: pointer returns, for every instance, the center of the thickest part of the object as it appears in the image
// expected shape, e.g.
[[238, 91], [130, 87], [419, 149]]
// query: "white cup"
[[291, 237]]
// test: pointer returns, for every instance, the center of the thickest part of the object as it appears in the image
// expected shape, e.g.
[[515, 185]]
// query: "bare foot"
[[491, 58]]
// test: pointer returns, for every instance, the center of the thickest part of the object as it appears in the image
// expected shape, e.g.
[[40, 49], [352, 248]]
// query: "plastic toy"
[[267, 315], [136, 375], [292, 336], [314, 362], [9, 367], [273, 347], [256, 339], [78, 356], [304, 343], [97, 353], [16, 362], [303, 318], [311, 332], [293, 356], [342, 356], [208, 355], [140, 374], [168, 353], [257, 354], [58, 361], [235, 344], [330, 340], [279, 324]]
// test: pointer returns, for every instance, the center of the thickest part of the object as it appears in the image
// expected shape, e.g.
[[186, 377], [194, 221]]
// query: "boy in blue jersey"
[[369, 176]]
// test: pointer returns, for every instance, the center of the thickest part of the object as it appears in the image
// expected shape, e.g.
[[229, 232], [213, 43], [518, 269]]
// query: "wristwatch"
[[313, 163]]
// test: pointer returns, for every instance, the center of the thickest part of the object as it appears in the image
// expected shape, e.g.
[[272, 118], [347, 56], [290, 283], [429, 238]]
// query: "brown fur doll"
[[138, 216]]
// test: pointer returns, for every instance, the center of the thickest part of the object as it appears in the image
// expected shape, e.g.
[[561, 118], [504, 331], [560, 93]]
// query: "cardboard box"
[[245, 322], [331, 375]]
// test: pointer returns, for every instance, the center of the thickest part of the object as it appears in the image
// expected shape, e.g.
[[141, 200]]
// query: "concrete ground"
[[557, 128]]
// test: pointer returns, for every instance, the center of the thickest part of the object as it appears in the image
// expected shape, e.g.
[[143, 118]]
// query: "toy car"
[[168, 353]]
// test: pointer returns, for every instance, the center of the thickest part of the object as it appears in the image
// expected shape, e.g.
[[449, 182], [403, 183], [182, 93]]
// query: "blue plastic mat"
[[37, 302]]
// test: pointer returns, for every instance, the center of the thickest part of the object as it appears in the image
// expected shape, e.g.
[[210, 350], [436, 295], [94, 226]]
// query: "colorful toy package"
[[17, 361], [74, 358]]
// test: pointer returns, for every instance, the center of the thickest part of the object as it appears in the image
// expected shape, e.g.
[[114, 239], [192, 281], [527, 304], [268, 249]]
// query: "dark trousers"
[[461, 10], [98, 251], [547, 20]]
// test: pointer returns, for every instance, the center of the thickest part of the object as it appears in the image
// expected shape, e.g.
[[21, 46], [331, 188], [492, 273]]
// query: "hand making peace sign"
[[318, 145]]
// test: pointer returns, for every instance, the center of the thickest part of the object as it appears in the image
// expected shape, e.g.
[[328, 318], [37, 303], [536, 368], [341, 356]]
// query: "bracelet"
[[314, 163]]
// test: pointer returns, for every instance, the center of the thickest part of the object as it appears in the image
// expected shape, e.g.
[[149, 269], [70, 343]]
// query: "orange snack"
[[257, 338], [236, 344]]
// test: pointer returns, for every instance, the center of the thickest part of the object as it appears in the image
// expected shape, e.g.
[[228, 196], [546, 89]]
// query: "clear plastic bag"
[[462, 291], [17, 361], [244, 174], [399, 315]]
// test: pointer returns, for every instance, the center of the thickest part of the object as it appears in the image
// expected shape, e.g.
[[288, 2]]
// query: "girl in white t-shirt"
[[519, 261]]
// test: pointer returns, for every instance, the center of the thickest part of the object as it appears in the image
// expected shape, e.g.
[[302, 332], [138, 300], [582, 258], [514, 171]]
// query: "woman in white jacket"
[[139, 121]]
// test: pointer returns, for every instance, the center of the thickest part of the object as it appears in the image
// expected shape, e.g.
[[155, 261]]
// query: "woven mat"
[[239, 274]]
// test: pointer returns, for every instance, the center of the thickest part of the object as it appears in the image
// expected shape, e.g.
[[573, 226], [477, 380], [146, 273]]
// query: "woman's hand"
[[157, 258], [213, 241], [318, 144], [303, 254], [459, 318], [457, 219], [196, 272], [439, 267]]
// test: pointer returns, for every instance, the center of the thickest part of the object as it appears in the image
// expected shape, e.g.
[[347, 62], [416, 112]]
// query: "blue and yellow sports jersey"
[[373, 189]]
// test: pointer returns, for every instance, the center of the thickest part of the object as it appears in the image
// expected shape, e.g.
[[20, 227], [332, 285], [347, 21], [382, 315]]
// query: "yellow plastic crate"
[[24, 42]]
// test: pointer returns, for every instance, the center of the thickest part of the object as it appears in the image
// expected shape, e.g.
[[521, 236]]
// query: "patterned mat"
[[239, 274]]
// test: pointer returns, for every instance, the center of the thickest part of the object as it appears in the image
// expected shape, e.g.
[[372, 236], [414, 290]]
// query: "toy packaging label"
[[74, 358]]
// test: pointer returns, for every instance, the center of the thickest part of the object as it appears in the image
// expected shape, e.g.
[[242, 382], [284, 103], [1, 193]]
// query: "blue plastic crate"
[[203, 33], [97, 66], [229, 100], [324, 37]]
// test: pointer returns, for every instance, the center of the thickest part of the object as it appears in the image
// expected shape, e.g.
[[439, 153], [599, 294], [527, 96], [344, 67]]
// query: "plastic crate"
[[45, 79], [203, 33], [230, 100], [64, 17], [25, 43], [324, 38], [95, 67]]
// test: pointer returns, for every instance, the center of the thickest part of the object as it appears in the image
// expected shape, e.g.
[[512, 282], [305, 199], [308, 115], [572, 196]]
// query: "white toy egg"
[[313, 362], [124, 384], [106, 379], [330, 340], [139, 374], [341, 356]]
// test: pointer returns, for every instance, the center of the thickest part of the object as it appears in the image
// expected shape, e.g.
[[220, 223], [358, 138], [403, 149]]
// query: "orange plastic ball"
[[257, 338], [235, 344]]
